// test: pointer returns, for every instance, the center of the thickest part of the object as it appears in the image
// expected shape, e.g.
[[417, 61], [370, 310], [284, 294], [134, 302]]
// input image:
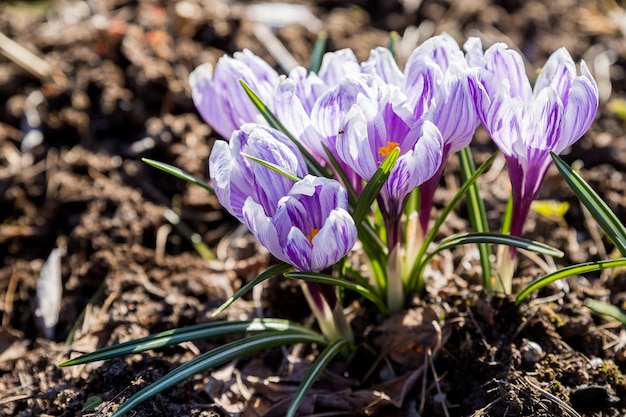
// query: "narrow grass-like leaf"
[[606, 309], [415, 281], [569, 271], [273, 167], [352, 196], [608, 221], [496, 239], [270, 272], [477, 213], [318, 52], [177, 172], [314, 166], [342, 283], [317, 367], [184, 334], [372, 189], [217, 357], [193, 237], [508, 216], [376, 252]]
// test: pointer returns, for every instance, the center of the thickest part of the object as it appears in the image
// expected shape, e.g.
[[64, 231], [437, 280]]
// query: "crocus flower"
[[437, 80], [318, 127], [310, 229], [375, 125], [528, 123], [379, 121], [236, 178], [219, 96]]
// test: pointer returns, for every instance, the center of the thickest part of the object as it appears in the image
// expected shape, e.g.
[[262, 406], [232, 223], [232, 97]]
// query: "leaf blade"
[[265, 275], [477, 213], [372, 189], [606, 218], [339, 282], [313, 373], [569, 271], [175, 336], [213, 358], [179, 173]]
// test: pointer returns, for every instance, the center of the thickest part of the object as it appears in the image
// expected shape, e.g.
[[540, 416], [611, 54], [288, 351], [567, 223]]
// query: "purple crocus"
[[437, 80], [236, 178], [219, 97], [528, 123], [310, 229], [379, 121]]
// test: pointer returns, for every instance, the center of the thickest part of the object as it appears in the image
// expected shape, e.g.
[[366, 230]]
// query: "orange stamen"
[[386, 150], [312, 235]]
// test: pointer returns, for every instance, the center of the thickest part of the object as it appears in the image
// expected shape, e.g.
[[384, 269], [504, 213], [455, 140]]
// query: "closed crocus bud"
[[236, 178], [311, 228], [219, 96]]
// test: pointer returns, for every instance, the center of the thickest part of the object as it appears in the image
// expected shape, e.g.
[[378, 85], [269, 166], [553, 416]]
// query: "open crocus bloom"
[[378, 121], [310, 229], [219, 96], [528, 123], [236, 178]]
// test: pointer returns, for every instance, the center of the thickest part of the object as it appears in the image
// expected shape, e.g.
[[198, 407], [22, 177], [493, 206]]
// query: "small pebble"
[[531, 352]]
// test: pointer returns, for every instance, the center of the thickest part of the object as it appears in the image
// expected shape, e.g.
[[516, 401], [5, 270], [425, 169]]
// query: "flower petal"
[[502, 64], [382, 63], [337, 65], [558, 71], [262, 228], [334, 240], [581, 109], [289, 110]]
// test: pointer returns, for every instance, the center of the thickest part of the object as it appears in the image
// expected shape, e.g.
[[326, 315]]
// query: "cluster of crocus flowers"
[[349, 116]]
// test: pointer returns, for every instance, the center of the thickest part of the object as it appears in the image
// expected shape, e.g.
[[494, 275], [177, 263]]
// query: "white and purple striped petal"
[[236, 178], [311, 228], [220, 98]]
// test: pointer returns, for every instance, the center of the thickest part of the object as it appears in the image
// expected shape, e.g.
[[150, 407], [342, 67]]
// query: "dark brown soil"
[[116, 90]]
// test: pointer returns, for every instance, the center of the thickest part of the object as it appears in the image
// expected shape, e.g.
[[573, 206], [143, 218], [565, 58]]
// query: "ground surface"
[[115, 90]]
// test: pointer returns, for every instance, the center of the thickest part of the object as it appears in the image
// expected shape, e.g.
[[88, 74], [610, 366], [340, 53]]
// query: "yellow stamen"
[[312, 235], [386, 150]]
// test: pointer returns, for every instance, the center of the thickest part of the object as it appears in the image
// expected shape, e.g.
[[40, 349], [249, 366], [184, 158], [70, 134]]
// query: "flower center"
[[312, 235], [386, 150]]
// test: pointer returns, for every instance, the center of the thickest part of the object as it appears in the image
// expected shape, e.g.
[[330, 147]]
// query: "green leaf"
[[352, 196], [496, 239], [314, 167], [318, 52], [273, 167], [317, 367], [508, 216], [270, 272], [193, 237], [339, 282], [199, 331], [415, 281], [569, 271], [608, 221], [217, 357], [372, 189], [177, 172], [477, 214], [605, 309]]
